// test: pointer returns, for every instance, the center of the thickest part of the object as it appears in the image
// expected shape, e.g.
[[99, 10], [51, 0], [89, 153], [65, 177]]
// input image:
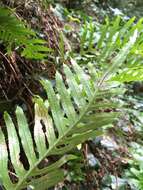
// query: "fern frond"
[[71, 129], [13, 32], [114, 37]]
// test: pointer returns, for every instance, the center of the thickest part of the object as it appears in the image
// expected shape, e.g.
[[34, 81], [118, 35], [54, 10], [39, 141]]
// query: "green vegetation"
[[71, 97], [14, 33]]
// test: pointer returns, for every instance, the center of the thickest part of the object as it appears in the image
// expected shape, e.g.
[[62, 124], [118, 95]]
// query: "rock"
[[118, 183], [114, 182], [93, 161], [109, 143]]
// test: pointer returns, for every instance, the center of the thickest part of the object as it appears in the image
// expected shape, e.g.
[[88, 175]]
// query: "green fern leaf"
[[114, 37], [13, 32], [71, 129]]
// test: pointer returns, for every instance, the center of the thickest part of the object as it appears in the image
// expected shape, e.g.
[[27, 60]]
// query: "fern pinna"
[[75, 110]]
